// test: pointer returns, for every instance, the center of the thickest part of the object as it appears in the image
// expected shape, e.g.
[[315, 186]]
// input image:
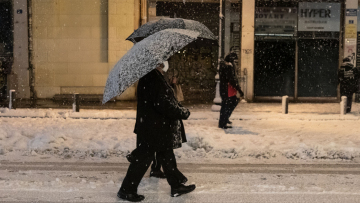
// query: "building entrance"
[[318, 64], [274, 68], [6, 44], [296, 54]]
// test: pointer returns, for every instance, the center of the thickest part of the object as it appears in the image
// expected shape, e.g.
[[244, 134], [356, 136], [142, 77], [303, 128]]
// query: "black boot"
[[225, 126], [157, 174], [133, 197], [182, 189], [229, 122]]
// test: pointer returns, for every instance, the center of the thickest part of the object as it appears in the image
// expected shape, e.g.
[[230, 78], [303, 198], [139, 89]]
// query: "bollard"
[[285, 104], [76, 106], [343, 105], [12, 101]]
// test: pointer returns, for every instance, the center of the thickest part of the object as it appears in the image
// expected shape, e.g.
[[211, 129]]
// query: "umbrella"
[[144, 57], [172, 23]]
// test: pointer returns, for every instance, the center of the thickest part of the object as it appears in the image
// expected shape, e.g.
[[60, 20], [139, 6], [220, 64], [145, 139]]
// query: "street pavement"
[[250, 183]]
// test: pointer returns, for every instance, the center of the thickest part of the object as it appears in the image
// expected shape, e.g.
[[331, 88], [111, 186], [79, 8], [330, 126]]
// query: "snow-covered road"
[[63, 182]]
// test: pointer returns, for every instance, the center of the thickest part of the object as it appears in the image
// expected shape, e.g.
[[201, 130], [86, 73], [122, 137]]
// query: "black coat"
[[348, 79], [159, 115], [227, 76]]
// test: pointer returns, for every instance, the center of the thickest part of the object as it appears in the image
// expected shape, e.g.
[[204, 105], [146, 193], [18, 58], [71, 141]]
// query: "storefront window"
[[6, 44], [296, 48], [6, 40], [275, 32]]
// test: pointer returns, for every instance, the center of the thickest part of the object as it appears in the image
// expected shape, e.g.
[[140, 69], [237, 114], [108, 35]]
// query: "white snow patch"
[[258, 133]]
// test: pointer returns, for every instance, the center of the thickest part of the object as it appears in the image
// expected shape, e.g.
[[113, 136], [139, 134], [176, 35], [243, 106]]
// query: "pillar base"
[[215, 108]]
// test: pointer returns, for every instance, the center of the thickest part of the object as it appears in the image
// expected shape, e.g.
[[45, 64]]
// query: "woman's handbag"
[[179, 93]]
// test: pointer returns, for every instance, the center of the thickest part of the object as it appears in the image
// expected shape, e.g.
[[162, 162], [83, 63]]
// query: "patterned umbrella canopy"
[[171, 23], [144, 57]]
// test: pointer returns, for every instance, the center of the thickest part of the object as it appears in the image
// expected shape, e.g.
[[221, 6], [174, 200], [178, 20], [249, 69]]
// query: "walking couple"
[[159, 130]]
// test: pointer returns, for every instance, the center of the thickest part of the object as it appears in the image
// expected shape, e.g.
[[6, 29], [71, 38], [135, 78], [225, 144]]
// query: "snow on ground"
[[261, 133], [80, 186]]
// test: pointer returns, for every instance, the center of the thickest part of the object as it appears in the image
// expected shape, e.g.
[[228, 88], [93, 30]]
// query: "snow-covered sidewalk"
[[260, 133]]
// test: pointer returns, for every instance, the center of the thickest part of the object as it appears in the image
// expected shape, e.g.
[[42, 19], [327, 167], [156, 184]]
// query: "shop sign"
[[319, 17], [275, 20], [351, 12], [350, 49], [350, 31]]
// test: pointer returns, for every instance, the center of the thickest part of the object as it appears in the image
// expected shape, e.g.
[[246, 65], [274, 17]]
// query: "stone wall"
[[121, 25], [77, 42]]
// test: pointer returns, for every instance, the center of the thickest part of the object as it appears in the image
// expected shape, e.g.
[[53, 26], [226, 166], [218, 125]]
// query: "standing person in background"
[[348, 80], [229, 86]]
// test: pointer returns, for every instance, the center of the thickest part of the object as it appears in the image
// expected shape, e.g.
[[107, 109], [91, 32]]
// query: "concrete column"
[[217, 100], [285, 104], [144, 11], [19, 78], [76, 102], [350, 35], [343, 105], [227, 26], [12, 100], [247, 45]]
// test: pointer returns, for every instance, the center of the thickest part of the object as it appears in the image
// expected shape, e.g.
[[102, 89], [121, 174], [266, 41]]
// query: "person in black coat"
[[159, 130], [229, 85], [348, 80]]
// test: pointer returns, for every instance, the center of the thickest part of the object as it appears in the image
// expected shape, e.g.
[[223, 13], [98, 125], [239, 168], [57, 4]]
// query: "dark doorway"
[[6, 36], [6, 44], [206, 13], [195, 66], [274, 68], [318, 65]]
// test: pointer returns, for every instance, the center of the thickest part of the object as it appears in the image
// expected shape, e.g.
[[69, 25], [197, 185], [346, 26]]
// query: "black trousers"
[[137, 169], [155, 166], [228, 105]]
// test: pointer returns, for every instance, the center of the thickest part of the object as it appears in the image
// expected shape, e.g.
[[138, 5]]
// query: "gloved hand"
[[186, 113]]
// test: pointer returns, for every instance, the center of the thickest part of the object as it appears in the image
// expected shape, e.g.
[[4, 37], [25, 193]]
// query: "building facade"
[[285, 47], [63, 47]]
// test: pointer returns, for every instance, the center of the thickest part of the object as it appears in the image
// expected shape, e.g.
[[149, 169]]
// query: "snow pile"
[[259, 134]]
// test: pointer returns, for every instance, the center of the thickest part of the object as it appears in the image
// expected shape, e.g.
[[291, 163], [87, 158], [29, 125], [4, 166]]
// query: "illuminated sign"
[[319, 17]]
